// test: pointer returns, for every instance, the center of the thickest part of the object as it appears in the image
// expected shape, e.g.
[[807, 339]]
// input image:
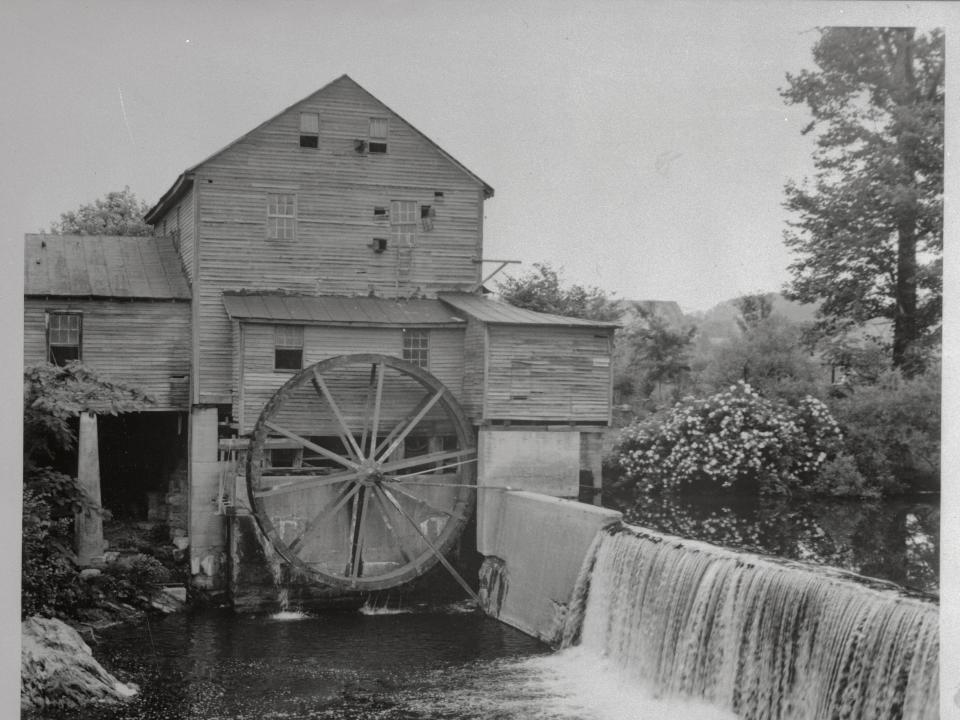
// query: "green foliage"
[[732, 442], [54, 395], [650, 352], [770, 356], [892, 430], [541, 290], [116, 213], [869, 231], [133, 578], [49, 581]]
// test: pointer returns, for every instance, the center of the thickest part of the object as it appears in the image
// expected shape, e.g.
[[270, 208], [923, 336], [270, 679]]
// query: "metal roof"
[[103, 266], [500, 313], [338, 310]]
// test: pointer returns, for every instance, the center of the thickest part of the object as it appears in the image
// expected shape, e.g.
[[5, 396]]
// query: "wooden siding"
[[336, 192], [146, 344], [260, 381], [474, 351], [548, 373]]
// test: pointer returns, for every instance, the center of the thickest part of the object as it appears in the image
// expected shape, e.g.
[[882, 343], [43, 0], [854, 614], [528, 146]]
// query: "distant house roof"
[[339, 310], [500, 313], [103, 266], [184, 182]]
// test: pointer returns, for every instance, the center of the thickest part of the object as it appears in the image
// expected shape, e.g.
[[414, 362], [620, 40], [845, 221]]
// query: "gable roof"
[[185, 181], [495, 312], [103, 266], [338, 310]]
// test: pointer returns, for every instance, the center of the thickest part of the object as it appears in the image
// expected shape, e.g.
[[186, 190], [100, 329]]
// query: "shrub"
[[733, 441], [892, 430], [50, 584]]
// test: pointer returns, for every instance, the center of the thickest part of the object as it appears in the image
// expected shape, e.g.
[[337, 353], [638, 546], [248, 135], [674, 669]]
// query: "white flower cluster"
[[732, 440]]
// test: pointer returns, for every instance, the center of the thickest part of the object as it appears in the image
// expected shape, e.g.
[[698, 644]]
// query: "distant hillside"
[[719, 323]]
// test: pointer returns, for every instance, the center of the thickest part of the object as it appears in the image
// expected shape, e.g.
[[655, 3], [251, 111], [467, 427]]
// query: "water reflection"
[[896, 540], [432, 665]]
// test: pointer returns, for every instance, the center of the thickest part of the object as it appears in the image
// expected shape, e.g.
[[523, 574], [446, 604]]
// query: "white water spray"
[[760, 638]]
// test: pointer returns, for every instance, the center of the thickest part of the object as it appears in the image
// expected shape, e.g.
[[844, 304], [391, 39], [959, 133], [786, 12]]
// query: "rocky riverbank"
[[58, 670]]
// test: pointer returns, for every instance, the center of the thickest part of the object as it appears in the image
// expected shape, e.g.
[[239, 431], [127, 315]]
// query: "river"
[[447, 663]]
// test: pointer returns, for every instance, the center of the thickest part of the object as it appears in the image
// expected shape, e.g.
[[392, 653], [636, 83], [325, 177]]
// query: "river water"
[[445, 663]]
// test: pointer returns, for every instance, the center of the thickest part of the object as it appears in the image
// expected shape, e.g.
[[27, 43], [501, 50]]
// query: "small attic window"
[[379, 213], [379, 245], [438, 196], [378, 136], [309, 130]]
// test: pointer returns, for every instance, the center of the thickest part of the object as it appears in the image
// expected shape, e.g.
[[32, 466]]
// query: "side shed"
[[120, 305], [533, 368]]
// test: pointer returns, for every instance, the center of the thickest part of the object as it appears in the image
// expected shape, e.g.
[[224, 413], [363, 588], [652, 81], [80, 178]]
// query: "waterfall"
[[763, 638]]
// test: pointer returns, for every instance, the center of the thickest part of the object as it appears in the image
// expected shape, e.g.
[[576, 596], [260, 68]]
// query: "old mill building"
[[328, 373]]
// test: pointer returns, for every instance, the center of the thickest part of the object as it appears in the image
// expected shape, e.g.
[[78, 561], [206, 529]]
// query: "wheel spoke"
[[421, 410], [321, 518], [382, 509], [389, 467], [440, 557], [421, 503], [319, 383], [329, 454], [359, 535], [301, 482], [434, 471], [378, 399]]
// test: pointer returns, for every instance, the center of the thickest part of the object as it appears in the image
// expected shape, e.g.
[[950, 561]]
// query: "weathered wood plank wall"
[[548, 373], [259, 381], [146, 344], [336, 191]]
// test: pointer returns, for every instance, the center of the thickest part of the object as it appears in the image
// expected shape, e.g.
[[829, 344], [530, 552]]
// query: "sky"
[[641, 147], [638, 147]]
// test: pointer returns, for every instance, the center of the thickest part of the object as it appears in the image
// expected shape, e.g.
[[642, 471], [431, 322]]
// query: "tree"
[[869, 232], [52, 398], [541, 290], [116, 213], [652, 352]]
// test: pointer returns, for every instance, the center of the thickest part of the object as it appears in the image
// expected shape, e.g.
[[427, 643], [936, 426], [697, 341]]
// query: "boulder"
[[58, 671]]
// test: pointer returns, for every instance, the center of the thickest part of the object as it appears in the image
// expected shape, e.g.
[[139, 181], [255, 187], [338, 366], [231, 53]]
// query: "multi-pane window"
[[309, 129], [403, 222], [378, 135], [281, 216], [63, 337], [287, 347], [416, 347]]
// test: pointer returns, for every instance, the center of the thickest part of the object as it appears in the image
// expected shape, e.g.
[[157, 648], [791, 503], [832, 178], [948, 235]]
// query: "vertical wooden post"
[[88, 523]]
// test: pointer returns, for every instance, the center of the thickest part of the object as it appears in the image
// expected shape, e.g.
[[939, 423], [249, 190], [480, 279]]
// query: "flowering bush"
[[733, 441]]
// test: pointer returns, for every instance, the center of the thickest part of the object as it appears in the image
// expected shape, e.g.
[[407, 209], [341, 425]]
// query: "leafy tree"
[[869, 233], [116, 213], [769, 355], [651, 352], [541, 290], [52, 398]]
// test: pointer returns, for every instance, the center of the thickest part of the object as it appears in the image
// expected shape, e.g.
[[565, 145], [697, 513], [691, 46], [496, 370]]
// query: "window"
[[416, 348], [63, 337], [379, 245], [403, 222], [378, 135], [426, 217], [287, 347], [379, 213], [309, 130], [281, 216]]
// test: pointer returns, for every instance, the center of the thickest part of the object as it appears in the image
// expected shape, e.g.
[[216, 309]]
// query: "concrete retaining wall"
[[534, 545]]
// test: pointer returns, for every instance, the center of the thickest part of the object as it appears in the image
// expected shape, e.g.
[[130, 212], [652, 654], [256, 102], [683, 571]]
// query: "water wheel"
[[361, 471]]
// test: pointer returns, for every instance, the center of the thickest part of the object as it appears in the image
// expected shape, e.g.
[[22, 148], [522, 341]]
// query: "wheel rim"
[[386, 477]]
